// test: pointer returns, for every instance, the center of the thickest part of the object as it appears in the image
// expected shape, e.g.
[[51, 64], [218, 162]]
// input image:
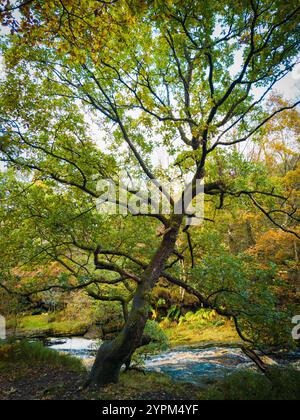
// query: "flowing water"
[[200, 366], [79, 347]]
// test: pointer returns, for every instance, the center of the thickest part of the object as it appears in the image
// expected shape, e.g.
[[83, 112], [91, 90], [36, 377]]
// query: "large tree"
[[191, 76]]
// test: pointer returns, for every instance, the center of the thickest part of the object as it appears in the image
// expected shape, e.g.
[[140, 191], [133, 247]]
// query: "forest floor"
[[20, 382], [30, 371]]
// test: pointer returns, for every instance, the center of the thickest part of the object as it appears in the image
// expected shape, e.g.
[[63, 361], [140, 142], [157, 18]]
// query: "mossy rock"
[[94, 333]]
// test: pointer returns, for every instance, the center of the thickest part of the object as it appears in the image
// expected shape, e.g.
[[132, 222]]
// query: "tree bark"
[[111, 356]]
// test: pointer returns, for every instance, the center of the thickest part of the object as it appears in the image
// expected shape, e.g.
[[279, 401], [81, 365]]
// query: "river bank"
[[197, 355], [47, 325], [202, 364], [187, 333], [29, 371]]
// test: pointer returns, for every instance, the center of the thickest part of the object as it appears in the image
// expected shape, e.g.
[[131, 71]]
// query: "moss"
[[69, 328], [190, 333], [40, 322], [39, 325]]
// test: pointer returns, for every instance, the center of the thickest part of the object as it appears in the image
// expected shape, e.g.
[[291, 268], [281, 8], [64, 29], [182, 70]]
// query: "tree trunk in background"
[[251, 239], [112, 355]]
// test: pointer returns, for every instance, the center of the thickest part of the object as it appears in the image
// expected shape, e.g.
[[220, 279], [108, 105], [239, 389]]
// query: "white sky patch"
[[2, 167], [289, 87], [161, 158], [4, 30]]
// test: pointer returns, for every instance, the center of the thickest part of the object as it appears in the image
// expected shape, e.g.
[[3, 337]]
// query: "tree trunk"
[[111, 356]]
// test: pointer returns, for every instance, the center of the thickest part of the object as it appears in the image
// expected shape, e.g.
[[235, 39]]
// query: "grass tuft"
[[136, 385], [27, 353], [283, 385]]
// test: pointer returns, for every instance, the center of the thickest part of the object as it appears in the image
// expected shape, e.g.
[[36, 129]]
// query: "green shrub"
[[155, 332], [174, 313], [202, 318], [159, 342], [284, 385]]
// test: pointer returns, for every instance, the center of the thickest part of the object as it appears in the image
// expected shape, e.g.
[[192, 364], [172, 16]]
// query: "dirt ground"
[[40, 383]]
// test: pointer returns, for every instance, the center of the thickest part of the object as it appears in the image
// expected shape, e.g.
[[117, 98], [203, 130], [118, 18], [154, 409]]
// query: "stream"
[[200, 366]]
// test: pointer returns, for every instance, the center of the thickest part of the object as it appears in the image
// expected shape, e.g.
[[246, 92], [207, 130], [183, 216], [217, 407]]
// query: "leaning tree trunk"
[[112, 355]]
